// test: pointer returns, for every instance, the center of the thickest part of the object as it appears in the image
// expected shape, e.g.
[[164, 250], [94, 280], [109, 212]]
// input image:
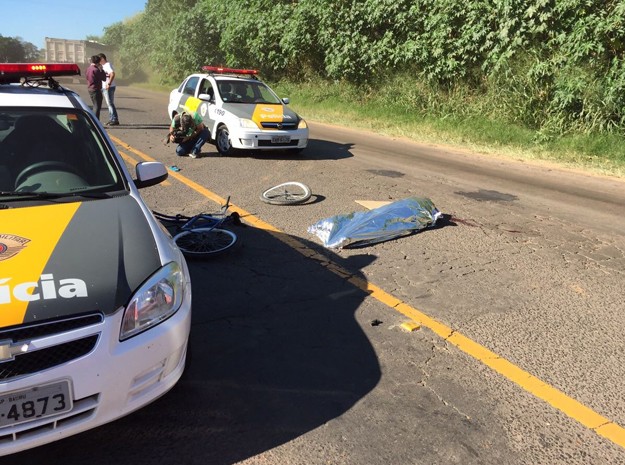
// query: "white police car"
[[95, 298], [240, 111]]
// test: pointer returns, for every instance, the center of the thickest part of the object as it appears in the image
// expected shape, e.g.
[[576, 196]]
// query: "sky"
[[34, 20]]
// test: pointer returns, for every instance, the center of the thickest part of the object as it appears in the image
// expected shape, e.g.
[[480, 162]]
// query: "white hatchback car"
[[95, 297], [240, 111]]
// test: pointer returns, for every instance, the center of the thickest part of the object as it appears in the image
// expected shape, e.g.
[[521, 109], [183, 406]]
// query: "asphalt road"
[[298, 354]]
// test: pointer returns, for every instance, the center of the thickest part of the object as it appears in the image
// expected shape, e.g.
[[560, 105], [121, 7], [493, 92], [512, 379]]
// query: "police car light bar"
[[12, 72], [217, 69]]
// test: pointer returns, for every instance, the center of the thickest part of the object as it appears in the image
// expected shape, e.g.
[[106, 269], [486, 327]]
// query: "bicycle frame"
[[201, 220]]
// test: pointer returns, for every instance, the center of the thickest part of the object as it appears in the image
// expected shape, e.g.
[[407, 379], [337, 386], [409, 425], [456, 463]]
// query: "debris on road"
[[371, 204], [410, 326]]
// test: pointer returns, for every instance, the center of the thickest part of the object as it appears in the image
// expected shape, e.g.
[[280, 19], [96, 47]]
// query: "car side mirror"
[[150, 173], [206, 97], [286, 100]]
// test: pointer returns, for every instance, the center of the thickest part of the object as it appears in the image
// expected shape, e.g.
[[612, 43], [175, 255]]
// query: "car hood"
[[70, 258], [259, 113]]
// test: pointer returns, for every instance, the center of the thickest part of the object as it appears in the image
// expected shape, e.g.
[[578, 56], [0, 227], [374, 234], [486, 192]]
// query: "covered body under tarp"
[[380, 224]]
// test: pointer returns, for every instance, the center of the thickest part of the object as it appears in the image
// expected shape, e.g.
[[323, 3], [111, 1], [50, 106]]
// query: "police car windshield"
[[54, 151], [240, 91]]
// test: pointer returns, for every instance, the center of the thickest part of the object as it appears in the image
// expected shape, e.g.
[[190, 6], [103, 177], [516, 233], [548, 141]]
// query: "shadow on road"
[[275, 353], [317, 149]]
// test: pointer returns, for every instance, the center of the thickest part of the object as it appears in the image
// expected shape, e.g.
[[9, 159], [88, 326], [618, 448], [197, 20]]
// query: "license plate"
[[35, 403], [280, 139]]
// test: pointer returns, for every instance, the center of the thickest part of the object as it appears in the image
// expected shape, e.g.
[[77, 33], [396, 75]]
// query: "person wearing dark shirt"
[[95, 75]]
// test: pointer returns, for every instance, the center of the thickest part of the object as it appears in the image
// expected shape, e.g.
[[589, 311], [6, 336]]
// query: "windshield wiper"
[[23, 195], [32, 195], [90, 195]]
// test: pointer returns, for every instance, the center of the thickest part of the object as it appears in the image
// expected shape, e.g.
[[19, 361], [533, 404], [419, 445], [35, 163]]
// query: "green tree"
[[552, 65], [16, 50]]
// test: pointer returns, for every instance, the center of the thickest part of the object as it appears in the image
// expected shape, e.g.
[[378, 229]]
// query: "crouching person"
[[190, 133]]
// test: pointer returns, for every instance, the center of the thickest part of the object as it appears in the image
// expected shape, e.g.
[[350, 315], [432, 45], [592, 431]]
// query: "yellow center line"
[[574, 409]]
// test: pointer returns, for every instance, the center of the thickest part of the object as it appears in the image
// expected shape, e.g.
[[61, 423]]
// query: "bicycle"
[[202, 235], [287, 193]]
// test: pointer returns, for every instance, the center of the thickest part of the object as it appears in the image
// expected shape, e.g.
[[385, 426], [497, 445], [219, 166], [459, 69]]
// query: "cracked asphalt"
[[297, 359]]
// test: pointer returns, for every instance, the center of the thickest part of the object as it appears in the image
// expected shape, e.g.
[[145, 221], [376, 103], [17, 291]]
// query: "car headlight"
[[248, 123], [302, 124], [155, 301]]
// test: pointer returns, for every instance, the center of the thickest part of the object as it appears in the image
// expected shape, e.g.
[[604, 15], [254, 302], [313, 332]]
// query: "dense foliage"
[[556, 66], [16, 50]]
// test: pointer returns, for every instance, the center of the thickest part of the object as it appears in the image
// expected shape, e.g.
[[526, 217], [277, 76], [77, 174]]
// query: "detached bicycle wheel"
[[287, 193], [205, 242]]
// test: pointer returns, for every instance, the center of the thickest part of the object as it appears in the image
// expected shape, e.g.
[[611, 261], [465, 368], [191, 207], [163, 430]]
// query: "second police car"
[[95, 297], [241, 112]]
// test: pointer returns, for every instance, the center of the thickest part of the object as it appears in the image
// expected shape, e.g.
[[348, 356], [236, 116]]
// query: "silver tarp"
[[377, 225]]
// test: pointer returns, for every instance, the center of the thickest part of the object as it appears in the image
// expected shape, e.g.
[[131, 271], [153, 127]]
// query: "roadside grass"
[[345, 106], [406, 114]]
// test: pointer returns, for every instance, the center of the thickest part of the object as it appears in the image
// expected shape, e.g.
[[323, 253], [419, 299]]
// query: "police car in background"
[[240, 111], [95, 298]]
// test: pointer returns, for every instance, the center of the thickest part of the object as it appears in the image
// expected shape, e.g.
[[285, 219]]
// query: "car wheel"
[[224, 147]]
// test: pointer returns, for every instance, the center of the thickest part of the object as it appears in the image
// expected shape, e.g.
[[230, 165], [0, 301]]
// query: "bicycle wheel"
[[205, 242], [287, 193]]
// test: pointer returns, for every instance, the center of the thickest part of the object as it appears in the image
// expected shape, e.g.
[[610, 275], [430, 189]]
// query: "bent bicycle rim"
[[287, 193]]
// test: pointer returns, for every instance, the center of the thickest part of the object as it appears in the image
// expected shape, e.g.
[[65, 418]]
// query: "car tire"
[[222, 141]]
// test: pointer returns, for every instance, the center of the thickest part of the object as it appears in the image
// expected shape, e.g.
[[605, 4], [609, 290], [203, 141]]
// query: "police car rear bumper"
[[113, 380], [269, 140]]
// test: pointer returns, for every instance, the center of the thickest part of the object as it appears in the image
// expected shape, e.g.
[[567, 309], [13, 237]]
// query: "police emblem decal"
[[11, 245]]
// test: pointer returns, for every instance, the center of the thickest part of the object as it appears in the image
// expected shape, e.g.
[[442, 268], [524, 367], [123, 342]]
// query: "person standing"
[[108, 90], [95, 75]]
